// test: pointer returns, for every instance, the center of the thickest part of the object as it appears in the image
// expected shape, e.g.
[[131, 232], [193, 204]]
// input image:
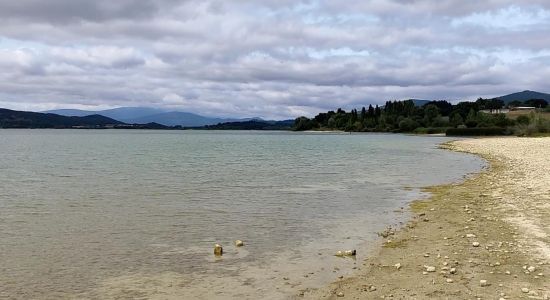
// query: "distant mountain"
[[419, 102], [144, 115], [24, 119], [123, 114], [176, 118], [524, 96]]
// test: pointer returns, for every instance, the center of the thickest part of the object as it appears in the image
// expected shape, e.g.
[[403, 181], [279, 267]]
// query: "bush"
[[479, 131], [523, 120], [407, 125], [537, 125]]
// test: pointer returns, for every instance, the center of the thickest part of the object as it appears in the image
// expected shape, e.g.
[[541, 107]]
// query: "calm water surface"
[[135, 214]]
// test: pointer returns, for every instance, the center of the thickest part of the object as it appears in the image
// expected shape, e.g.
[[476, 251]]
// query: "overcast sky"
[[271, 58]]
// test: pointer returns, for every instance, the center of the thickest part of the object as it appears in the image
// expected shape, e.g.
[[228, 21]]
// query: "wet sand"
[[485, 238]]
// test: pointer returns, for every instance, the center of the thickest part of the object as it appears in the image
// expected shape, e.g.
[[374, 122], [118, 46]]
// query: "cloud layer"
[[272, 58]]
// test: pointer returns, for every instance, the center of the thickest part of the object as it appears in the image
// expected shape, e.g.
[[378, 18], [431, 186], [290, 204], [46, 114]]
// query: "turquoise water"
[[93, 214]]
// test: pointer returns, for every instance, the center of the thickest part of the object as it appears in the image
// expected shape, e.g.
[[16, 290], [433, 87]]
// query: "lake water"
[[135, 214]]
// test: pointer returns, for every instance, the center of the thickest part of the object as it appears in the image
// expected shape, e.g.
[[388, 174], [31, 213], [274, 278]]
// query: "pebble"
[[525, 290], [397, 266], [452, 271], [449, 280], [531, 269], [429, 268], [340, 294], [475, 244], [239, 243], [218, 250], [483, 283]]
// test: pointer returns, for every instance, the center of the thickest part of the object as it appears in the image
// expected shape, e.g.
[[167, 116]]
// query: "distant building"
[[523, 108], [495, 111]]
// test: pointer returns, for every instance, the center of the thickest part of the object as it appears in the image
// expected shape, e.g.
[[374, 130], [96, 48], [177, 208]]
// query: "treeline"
[[405, 116]]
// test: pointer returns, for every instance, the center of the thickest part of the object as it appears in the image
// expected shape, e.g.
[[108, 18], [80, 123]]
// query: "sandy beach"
[[485, 238]]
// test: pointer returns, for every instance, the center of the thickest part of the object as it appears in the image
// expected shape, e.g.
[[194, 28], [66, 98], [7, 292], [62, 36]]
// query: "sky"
[[274, 59]]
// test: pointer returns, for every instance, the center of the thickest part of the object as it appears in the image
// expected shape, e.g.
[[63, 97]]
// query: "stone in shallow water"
[[218, 250], [239, 243]]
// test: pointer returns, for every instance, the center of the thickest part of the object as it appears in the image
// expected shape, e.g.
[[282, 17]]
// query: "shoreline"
[[484, 238]]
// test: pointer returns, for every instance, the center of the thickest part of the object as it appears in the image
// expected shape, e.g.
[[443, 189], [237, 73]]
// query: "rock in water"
[[218, 250], [239, 243], [350, 252], [346, 253]]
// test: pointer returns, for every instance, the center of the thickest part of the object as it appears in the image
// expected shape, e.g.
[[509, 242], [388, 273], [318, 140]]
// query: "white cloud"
[[274, 59]]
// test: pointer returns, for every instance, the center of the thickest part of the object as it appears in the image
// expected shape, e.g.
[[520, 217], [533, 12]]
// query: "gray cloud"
[[275, 59]]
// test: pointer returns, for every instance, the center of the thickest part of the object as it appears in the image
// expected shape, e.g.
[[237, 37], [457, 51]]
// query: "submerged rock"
[[346, 253], [239, 243], [218, 250]]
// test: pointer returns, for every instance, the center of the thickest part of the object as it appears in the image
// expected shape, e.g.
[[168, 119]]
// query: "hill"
[[176, 118], [24, 119], [418, 102], [123, 114], [251, 125], [144, 115], [524, 96]]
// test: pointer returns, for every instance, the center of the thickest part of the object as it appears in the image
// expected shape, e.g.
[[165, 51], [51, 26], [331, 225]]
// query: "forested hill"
[[405, 116], [251, 125], [24, 119]]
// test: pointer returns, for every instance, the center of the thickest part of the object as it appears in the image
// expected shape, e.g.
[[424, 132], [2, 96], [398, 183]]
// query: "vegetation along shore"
[[485, 238], [479, 118]]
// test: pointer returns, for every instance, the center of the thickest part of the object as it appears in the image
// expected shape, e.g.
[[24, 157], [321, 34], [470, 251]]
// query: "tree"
[[408, 125], [538, 103], [515, 103], [456, 120], [431, 112], [471, 119]]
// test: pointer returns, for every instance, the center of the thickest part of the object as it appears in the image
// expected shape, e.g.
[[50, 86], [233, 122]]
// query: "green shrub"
[[523, 120], [407, 125]]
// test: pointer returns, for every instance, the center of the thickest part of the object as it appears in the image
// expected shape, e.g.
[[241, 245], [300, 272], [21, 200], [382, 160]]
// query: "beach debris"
[[239, 243], [483, 283], [346, 253], [470, 235], [397, 266], [387, 232], [531, 269], [429, 269], [218, 250], [475, 244]]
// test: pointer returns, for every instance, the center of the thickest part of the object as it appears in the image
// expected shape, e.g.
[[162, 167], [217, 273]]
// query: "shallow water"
[[135, 214]]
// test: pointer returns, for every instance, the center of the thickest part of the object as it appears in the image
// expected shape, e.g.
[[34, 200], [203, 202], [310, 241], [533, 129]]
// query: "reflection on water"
[[130, 214]]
